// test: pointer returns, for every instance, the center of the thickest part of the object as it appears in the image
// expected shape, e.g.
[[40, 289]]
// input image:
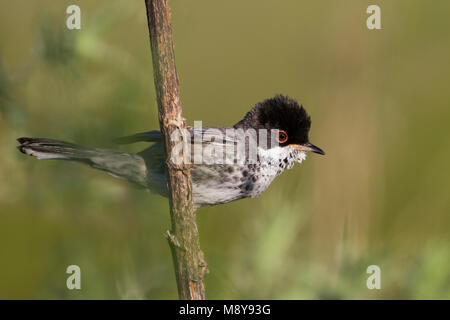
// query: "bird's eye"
[[282, 136]]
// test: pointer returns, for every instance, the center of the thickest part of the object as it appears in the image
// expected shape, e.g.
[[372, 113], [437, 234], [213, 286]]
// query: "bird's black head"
[[285, 115]]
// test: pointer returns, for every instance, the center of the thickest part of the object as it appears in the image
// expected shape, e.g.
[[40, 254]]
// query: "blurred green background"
[[379, 101]]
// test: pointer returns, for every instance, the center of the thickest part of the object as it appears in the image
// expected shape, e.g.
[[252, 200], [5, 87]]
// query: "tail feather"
[[124, 165], [42, 148]]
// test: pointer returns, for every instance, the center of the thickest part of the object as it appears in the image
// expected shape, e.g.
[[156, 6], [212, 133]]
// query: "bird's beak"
[[308, 147]]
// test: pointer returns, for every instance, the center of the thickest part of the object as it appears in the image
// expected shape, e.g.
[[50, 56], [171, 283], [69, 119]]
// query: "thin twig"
[[188, 259]]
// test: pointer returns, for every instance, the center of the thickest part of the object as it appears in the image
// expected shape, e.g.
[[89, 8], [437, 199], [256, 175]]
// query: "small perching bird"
[[277, 127]]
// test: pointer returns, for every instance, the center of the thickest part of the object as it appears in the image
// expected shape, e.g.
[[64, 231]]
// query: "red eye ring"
[[282, 136]]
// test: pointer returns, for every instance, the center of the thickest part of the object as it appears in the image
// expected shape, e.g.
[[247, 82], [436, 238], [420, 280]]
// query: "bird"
[[285, 120]]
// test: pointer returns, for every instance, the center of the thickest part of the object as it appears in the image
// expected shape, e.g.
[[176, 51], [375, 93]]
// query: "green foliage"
[[379, 105]]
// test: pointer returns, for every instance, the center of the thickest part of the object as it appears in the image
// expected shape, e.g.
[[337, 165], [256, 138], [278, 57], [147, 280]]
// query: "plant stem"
[[189, 263]]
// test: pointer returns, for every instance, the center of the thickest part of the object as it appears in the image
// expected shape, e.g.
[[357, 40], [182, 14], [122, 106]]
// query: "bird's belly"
[[218, 184], [205, 195], [215, 184]]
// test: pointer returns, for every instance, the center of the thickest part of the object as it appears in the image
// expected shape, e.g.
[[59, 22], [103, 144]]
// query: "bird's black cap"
[[282, 113]]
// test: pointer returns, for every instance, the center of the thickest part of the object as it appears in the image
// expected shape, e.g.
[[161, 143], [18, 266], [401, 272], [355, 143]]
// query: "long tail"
[[120, 164]]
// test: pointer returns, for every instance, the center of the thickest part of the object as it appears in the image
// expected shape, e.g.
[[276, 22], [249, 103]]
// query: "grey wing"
[[149, 136], [155, 162], [213, 135], [218, 179], [209, 135], [154, 158], [212, 183]]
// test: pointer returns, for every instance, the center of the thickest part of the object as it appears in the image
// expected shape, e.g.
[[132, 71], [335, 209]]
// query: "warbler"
[[278, 128]]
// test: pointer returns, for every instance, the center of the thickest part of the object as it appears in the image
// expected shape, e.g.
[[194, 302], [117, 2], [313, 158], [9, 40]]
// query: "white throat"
[[287, 155]]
